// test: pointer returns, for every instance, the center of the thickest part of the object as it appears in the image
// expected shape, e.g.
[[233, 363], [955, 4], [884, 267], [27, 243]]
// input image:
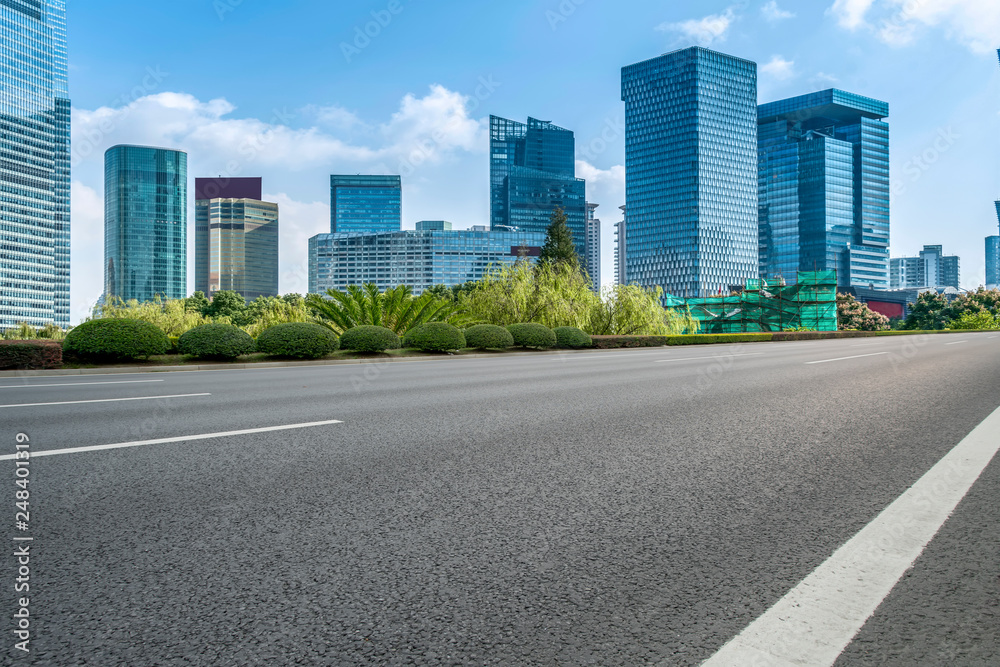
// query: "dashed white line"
[[101, 400], [76, 384], [856, 356], [818, 618], [716, 356], [957, 342], [183, 438]]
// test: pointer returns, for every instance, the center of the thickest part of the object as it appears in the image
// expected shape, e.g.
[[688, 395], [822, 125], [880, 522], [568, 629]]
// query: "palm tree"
[[396, 308]]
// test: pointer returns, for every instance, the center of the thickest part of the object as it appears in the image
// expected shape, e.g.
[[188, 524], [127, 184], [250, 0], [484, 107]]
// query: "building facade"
[[931, 268], [532, 173], [35, 176], [992, 262], [365, 204], [691, 171], [235, 238], [824, 188], [420, 259], [145, 223], [593, 254]]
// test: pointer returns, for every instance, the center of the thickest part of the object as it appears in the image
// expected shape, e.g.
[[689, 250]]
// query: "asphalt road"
[[607, 508]]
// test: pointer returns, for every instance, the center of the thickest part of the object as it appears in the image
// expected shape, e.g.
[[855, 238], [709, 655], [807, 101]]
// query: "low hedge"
[[368, 338], [116, 339], [534, 335], [299, 340], [572, 338], [30, 354], [435, 337], [488, 337], [216, 341]]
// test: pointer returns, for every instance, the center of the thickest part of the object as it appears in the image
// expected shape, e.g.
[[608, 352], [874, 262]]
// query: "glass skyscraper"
[[992, 262], [691, 171], [824, 188], [532, 173], [235, 238], [593, 257], [145, 223], [365, 204], [35, 171]]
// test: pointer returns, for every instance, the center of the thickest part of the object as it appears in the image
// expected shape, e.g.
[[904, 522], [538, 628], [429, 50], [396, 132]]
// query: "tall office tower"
[[235, 238], [691, 171], [365, 204], [620, 251], [593, 255], [145, 223], [532, 173], [992, 262], [34, 146], [824, 188]]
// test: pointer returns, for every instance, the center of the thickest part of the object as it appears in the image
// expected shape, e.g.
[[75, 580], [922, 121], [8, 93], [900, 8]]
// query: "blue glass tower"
[[532, 173], [365, 204], [691, 171], [35, 175], [145, 223], [824, 187], [993, 254]]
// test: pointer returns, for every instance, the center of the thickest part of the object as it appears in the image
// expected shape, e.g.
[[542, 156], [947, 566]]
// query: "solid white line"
[[817, 619], [183, 438], [101, 400], [857, 356], [957, 342], [717, 356], [77, 384]]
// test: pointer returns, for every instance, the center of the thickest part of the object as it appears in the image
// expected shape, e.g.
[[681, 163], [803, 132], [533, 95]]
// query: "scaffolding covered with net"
[[769, 305]]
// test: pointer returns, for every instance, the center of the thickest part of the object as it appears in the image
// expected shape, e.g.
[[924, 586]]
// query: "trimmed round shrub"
[[488, 337], [368, 338], [572, 338], [435, 337], [532, 335], [216, 341], [300, 340], [114, 339]]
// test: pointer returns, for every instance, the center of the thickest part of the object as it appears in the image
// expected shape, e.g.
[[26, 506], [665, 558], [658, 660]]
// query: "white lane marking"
[[856, 356], [715, 356], [76, 384], [183, 438], [990, 337], [818, 618], [865, 344], [957, 342], [100, 400]]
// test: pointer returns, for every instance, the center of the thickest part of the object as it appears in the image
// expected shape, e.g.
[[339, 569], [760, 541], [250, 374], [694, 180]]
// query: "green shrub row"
[[298, 340], [533, 335], [488, 337], [216, 341], [435, 337], [572, 338], [30, 354], [116, 340], [369, 338]]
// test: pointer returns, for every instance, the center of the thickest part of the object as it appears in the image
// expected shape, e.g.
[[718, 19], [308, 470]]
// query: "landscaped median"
[[618, 342]]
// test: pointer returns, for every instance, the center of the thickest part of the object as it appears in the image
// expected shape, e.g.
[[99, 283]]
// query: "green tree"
[[266, 311], [395, 309], [929, 313], [980, 301], [227, 303], [630, 310], [981, 320], [559, 247], [171, 315], [852, 315], [441, 292], [197, 303]]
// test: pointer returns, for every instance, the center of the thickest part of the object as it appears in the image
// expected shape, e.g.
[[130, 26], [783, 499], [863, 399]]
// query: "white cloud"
[[704, 31], [851, 14], [297, 222], [773, 13], [778, 68]]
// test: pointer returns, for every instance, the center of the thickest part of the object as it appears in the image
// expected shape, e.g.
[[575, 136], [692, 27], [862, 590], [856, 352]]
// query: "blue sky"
[[289, 91]]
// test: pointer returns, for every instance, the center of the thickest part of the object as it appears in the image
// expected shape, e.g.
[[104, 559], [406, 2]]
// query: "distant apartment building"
[[145, 223], [365, 204], [418, 258], [532, 173], [931, 268], [620, 277], [593, 254], [691, 171], [824, 188], [235, 237], [34, 164]]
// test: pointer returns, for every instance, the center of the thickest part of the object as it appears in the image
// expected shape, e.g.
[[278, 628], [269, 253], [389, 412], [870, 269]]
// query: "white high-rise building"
[[593, 259]]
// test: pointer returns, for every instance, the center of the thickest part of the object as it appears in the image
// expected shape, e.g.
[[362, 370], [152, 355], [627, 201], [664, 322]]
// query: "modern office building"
[[593, 252], [691, 171], [620, 251], [145, 223], [824, 188], [34, 163], [365, 204], [992, 262], [235, 238], [433, 225], [420, 259], [532, 173], [932, 269]]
